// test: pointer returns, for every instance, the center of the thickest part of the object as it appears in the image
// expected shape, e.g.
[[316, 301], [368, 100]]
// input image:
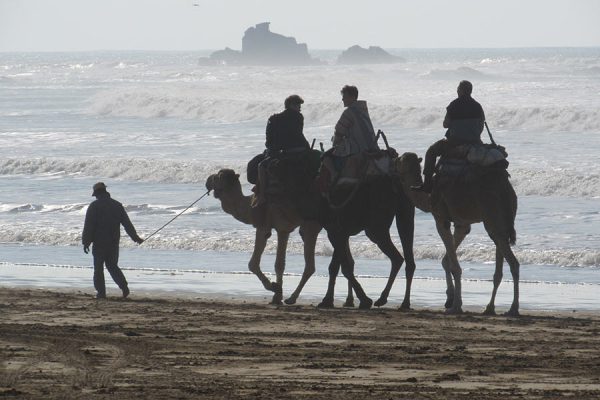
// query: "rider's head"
[[349, 95], [293, 102], [465, 88]]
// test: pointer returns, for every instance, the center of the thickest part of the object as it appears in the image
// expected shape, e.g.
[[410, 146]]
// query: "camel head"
[[408, 168], [223, 181]]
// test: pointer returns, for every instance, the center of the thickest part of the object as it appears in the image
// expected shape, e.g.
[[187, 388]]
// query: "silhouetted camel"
[[490, 199], [283, 217], [371, 209]]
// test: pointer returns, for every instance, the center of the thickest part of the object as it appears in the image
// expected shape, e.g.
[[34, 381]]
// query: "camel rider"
[[354, 131], [284, 138], [284, 130], [464, 121]]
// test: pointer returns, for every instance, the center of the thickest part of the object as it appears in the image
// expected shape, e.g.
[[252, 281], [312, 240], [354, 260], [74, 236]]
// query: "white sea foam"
[[144, 170], [78, 209], [544, 182], [243, 241], [188, 104]]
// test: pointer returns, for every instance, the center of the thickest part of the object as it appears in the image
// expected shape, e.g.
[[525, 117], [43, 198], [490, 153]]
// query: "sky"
[[86, 25]]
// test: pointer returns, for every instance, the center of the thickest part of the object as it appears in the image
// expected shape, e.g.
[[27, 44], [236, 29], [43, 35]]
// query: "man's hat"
[[99, 187]]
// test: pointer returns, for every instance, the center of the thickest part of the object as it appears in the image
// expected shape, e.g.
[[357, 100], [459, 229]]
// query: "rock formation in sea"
[[372, 55], [260, 46]]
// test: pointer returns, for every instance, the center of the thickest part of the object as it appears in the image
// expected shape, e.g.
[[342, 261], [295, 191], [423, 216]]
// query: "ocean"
[[154, 125]]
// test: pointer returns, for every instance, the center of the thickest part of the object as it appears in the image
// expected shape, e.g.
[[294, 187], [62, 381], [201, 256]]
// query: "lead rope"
[[173, 219]]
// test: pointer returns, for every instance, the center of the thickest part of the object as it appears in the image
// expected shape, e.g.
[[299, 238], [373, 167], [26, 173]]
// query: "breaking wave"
[[457, 73], [157, 104], [78, 208], [243, 241], [142, 170], [540, 182]]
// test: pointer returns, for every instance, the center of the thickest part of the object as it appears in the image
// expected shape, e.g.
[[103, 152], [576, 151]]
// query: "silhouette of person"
[[284, 137], [102, 227], [354, 131], [284, 130], [464, 120]]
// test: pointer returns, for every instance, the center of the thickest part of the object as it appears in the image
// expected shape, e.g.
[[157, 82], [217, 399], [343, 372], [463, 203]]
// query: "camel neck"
[[238, 206], [421, 200]]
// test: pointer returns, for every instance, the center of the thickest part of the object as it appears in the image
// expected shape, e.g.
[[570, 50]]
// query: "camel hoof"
[[454, 311], [380, 302], [404, 307], [290, 301], [277, 299], [491, 311], [325, 305], [365, 304], [512, 313], [349, 304]]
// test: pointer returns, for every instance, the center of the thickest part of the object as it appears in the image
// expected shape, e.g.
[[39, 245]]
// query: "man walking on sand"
[[102, 227]]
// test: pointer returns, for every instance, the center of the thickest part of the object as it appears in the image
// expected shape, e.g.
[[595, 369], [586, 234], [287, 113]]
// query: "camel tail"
[[512, 237], [512, 214]]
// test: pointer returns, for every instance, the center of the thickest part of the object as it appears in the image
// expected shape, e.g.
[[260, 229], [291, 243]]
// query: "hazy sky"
[[67, 25]]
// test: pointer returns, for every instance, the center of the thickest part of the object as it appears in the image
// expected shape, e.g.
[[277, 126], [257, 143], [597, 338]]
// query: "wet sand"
[[60, 344]]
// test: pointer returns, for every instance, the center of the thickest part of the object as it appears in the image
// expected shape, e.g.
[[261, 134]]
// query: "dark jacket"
[[284, 132], [464, 120], [103, 223]]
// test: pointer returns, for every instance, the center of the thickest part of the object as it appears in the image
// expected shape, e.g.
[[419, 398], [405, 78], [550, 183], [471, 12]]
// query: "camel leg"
[[348, 271], [460, 232], [405, 222], [385, 244], [260, 242], [491, 307], [443, 228], [309, 233], [350, 297], [514, 270], [334, 269], [282, 242]]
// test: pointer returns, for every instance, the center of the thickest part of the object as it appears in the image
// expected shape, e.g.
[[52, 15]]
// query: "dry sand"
[[69, 345]]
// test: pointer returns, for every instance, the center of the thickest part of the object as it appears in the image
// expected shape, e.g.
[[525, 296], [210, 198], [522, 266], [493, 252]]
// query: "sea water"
[[154, 125]]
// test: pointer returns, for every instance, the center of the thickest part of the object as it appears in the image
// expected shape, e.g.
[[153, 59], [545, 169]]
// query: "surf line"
[[173, 219]]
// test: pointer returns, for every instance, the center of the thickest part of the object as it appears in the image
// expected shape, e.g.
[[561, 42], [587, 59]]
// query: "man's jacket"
[[284, 132], [464, 119], [103, 222]]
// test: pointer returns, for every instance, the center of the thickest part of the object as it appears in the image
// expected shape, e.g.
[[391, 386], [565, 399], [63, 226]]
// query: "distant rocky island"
[[372, 55], [260, 46]]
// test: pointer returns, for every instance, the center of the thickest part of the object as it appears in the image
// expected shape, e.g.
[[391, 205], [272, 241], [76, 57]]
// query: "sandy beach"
[[61, 344]]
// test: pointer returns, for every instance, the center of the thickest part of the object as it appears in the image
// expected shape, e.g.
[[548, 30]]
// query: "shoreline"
[[56, 344], [427, 293], [263, 300]]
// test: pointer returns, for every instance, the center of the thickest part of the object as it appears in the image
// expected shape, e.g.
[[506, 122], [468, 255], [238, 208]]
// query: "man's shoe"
[[125, 292]]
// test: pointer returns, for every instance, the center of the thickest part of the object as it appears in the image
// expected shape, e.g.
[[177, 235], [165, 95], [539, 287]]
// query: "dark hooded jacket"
[[103, 222]]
